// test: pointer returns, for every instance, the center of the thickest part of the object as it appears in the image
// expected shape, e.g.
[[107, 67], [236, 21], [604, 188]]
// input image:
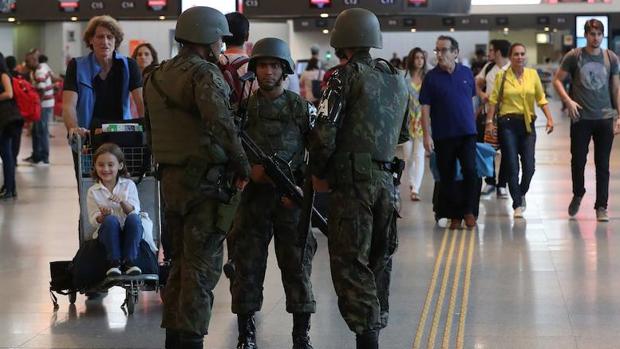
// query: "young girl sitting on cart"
[[114, 209]]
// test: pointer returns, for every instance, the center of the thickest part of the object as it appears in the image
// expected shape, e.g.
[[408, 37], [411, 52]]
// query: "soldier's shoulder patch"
[[210, 73], [216, 79]]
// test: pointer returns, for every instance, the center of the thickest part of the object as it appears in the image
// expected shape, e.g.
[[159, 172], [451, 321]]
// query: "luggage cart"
[[139, 162]]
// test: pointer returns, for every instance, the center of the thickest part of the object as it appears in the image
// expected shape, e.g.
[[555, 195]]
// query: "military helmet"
[[356, 27], [201, 25], [272, 48]]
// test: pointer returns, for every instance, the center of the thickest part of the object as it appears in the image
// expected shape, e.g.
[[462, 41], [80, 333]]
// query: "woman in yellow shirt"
[[517, 135], [414, 149]]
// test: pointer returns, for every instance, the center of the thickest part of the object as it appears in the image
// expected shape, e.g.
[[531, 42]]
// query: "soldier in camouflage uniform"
[[202, 163], [278, 121], [362, 116]]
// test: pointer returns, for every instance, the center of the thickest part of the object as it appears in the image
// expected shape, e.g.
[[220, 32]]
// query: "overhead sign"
[[300, 8], [63, 10]]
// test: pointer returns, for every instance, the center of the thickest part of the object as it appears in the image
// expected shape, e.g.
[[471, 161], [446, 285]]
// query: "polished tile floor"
[[541, 282]]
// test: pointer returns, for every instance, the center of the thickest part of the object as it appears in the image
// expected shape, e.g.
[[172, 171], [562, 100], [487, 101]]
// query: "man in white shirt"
[[485, 81], [41, 79]]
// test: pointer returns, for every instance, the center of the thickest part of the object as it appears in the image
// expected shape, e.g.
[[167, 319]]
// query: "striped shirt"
[[42, 81]]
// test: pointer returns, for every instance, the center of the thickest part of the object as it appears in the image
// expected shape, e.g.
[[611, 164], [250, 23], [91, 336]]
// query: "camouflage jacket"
[[189, 114], [280, 126], [363, 110]]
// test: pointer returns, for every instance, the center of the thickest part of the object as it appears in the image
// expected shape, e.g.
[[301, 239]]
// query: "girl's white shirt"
[[99, 196]]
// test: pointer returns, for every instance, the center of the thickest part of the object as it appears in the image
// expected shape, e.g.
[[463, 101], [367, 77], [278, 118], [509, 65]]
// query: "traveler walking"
[[515, 92], [450, 129], [593, 104]]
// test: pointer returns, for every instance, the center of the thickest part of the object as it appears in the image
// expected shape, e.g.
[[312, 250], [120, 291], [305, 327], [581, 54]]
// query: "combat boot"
[[190, 341], [247, 331], [367, 340], [172, 339], [301, 329]]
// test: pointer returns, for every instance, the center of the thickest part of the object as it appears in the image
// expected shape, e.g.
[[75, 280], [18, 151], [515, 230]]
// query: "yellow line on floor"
[[454, 293], [429, 294], [442, 293], [460, 335]]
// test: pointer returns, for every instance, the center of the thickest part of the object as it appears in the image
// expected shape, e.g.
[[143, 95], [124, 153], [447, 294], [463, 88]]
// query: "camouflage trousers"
[[362, 240], [198, 226], [260, 217]]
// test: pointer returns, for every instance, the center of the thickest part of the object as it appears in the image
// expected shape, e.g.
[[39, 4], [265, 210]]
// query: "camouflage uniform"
[[278, 127], [362, 116], [192, 132]]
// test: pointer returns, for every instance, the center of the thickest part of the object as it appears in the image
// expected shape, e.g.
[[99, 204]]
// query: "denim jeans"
[[516, 144], [8, 139], [122, 243], [41, 136], [448, 150], [602, 133]]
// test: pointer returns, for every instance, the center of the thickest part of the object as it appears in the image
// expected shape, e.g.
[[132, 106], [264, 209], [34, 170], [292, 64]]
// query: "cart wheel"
[[72, 297], [130, 301]]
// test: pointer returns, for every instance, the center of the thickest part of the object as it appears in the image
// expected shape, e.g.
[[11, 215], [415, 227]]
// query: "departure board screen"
[[303, 8], [7, 6], [83, 10]]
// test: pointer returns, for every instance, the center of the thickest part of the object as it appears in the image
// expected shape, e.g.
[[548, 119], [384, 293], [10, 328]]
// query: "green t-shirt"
[[590, 82]]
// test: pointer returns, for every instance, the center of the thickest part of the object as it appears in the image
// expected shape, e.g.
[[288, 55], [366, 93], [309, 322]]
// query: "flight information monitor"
[[580, 21], [308, 8], [83, 10]]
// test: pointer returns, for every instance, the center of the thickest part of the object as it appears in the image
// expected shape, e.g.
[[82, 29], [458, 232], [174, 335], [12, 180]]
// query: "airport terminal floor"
[[540, 282]]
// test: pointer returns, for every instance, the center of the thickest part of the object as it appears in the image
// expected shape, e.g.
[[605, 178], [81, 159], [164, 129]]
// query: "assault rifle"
[[276, 168]]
